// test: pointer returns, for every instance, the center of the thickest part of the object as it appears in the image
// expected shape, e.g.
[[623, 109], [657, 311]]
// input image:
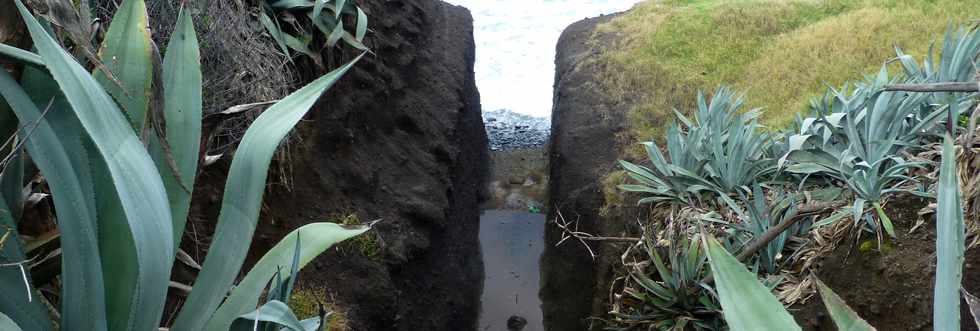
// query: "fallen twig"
[[583, 237]]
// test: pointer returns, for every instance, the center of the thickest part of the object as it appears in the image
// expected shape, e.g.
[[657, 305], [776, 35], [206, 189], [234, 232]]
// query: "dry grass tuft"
[[240, 65]]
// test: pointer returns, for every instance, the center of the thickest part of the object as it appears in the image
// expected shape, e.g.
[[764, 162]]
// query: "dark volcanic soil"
[[893, 288], [400, 138], [584, 149]]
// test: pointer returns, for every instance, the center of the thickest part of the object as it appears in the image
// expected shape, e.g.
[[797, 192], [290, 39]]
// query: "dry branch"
[[773, 232], [568, 232], [935, 87]]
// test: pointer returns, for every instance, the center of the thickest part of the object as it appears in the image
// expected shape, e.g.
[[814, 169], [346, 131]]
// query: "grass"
[[306, 302], [780, 52], [367, 244]]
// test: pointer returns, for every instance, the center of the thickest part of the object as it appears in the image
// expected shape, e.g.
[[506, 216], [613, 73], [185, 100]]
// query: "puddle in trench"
[[512, 243]]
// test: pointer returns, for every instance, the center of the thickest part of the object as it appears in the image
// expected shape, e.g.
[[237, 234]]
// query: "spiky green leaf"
[[182, 83], [274, 312], [83, 288], [6, 323], [138, 185], [950, 243], [317, 238], [746, 304], [127, 53], [844, 317], [243, 198]]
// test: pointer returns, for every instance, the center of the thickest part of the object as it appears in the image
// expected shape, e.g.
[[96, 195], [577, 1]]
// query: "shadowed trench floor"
[[512, 243]]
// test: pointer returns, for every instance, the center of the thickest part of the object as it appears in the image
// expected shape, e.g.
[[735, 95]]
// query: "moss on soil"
[[367, 244], [306, 302]]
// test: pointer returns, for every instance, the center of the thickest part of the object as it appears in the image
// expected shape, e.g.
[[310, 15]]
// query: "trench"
[[512, 226], [512, 243]]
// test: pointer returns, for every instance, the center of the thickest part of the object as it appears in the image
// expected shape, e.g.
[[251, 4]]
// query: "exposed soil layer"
[[891, 288], [400, 138], [584, 148]]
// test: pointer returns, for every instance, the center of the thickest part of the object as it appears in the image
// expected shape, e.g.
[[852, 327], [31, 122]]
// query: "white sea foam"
[[515, 47]]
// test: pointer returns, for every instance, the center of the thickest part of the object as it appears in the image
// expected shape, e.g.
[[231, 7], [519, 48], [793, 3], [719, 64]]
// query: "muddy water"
[[512, 243]]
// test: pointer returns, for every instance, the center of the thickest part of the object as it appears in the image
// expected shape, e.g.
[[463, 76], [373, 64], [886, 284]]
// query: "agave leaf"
[[950, 243], [18, 300], [45, 93], [243, 198], [140, 190], [796, 143], [275, 312], [12, 175], [182, 83], [293, 270], [273, 28], [83, 286], [638, 188], [340, 8], [6, 323], [885, 221], [362, 23], [831, 220], [746, 304], [353, 42], [336, 34], [313, 323], [21, 55], [292, 4], [127, 53], [844, 317], [317, 236], [317, 8], [858, 209], [653, 287], [301, 45]]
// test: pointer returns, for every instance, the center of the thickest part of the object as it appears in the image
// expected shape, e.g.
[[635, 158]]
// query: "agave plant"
[[859, 141], [323, 15], [858, 137], [763, 215], [748, 305], [672, 295], [122, 201], [721, 152]]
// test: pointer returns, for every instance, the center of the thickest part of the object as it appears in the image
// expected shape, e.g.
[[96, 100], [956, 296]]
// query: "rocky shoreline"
[[508, 130]]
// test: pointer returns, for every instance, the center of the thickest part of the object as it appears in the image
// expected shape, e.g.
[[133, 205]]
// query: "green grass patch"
[[306, 303], [781, 53], [367, 244]]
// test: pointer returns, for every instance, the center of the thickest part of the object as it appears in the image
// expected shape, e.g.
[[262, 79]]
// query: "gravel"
[[509, 130]]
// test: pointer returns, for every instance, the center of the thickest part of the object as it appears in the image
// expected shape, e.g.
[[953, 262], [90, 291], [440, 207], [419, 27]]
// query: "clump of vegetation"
[[852, 149], [674, 300], [719, 153], [368, 244], [291, 25], [311, 301], [117, 138]]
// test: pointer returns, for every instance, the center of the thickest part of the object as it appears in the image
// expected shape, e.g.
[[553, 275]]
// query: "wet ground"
[[512, 243]]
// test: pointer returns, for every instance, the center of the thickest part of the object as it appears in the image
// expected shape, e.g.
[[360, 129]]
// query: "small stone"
[[516, 323], [529, 182]]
